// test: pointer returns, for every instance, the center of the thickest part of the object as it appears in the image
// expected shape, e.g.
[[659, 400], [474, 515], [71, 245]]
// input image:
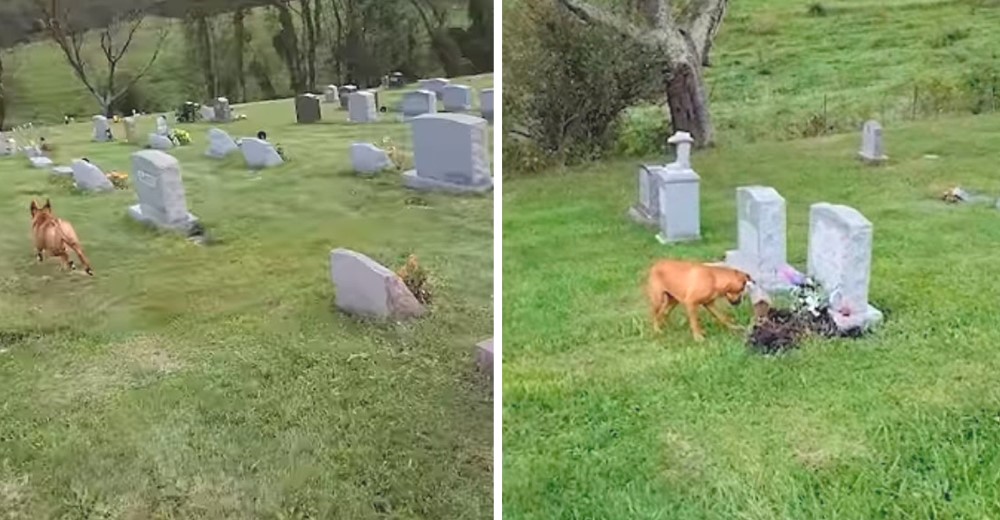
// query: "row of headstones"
[[840, 237], [450, 153], [362, 106]]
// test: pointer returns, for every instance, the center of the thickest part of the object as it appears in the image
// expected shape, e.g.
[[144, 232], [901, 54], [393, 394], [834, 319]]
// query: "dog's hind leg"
[[64, 257], [83, 258], [38, 254], [692, 315]]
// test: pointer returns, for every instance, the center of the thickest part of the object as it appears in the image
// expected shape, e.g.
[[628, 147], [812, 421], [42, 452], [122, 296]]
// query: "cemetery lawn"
[[218, 381], [604, 420]]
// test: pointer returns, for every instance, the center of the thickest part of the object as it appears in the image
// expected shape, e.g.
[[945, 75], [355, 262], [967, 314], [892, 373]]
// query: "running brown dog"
[[53, 235], [693, 285]]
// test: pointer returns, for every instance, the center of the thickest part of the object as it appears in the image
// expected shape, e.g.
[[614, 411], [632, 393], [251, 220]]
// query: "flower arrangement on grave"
[[414, 276], [401, 159], [180, 137], [118, 179]]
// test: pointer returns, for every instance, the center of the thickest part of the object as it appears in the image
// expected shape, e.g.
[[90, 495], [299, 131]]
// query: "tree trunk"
[[239, 30], [687, 98], [3, 96], [310, 51], [205, 51]]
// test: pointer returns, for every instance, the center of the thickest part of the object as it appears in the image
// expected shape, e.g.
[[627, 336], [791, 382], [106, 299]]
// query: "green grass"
[[602, 419], [218, 381]]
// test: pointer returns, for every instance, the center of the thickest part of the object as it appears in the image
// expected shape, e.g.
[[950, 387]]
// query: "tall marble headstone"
[[760, 215], [450, 153], [872, 151], [361, 107], [102, 130], [156, 178]]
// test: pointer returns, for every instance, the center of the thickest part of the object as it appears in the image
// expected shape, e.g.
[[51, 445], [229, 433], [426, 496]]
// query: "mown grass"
[[602, 419], [218, 381]]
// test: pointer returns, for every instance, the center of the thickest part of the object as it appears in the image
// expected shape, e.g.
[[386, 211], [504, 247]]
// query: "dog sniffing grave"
[[760, 216]]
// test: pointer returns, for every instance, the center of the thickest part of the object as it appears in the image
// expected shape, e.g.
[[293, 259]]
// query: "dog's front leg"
[[692, 314], [723, 319]]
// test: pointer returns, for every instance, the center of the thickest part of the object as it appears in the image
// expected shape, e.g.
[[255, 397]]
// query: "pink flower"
[[791, 275]]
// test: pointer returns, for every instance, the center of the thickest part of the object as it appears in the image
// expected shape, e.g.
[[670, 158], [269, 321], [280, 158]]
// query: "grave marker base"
[[413, 181], [186, 227]]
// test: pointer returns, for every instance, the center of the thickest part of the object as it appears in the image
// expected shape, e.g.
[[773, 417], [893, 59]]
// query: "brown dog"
[[693, 285], [53, 235]]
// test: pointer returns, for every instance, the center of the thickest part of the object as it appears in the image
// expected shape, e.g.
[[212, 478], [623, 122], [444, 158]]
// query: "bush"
[[566, 84], [643, 131]]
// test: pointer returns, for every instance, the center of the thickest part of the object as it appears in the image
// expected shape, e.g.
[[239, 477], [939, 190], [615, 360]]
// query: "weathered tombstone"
[[307, 109], [760, 215], [156, 178], [89, 177], [345, 94], [456, 98], [646, 210], [102, 130], [871, 144], [207, 113], [486, 103], [160, 142], [450, 153], [679, 195], [435, 85], [484, 356], [41, 162], [220, 144], [259, 154], [361, 108], [223, 112], [331, 95], [161, 126], [840, 257], [131, 131], [418, 102], [368, 159], [368, 289]]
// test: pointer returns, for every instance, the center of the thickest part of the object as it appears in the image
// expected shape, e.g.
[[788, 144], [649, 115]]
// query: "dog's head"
[[737, 287], [39, 211]]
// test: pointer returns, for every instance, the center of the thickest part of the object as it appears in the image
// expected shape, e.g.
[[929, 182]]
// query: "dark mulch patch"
[[782, 330]]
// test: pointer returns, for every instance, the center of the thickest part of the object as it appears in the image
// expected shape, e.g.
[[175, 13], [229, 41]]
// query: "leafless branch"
[[596, 16]]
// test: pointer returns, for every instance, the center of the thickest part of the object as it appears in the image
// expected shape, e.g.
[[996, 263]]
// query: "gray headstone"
[[160, 142], [156, 178], [418, 102], [840, 258], [366, 288], [871, 143], [331, 95], [760, 215], [102, 130], [259, 154], [220, 144], [40, 162], [307, 109], [63, 171], [456, 98], [361, 107], [368, 159], [223, 112], [486, 103], [207, 113], [435, 85], [345, 94], [7, 145], [89, 177], [131, 130], [396, 80], [450, 153], [484, 356], [680, 205], [646, 210]]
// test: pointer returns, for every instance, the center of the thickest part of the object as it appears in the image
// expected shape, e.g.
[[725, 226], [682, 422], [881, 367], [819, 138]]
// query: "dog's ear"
[[34, 207], [48, 205]]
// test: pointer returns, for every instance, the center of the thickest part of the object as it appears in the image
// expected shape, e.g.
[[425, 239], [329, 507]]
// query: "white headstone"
[[161, 126], [646, 210], [156, 178], [366, 288], [760, 215], [102, 130], [871, 143], [160, 142], [89, 177], [486, 103], [456, 98], [62, 171], [680, 205], [418, 102], [259, 154], [840, 259], [435, 85], [207, 113], [131, 132], [41, 162], [331, 95], [220, 144], [361, 107], [223, 112], [683, 142], [367, 158], [450, 153]]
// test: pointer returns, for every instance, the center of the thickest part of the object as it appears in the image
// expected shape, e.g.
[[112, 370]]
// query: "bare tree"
[[682, 38], [3, 92], [115, 40]]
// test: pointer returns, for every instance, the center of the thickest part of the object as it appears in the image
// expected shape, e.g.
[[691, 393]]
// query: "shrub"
[[643, 131], [415, 278], [566, 83]]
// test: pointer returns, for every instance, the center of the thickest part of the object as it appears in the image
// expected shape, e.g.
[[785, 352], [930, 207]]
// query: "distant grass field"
[[218, 381], [602, 419]]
